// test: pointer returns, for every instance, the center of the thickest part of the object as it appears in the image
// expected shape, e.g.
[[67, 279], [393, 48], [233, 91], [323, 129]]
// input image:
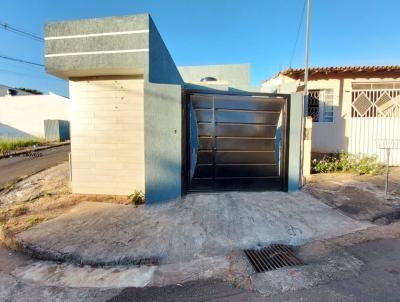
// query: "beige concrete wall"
[[326, 137], [23, 116], [280, 84], [107, 135], [331, 136]]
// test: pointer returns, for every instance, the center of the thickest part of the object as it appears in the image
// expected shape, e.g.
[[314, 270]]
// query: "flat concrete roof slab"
[[197, 226]]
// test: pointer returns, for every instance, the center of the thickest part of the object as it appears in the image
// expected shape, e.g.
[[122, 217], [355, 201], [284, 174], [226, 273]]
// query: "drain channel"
[[148, 261], [272, 257]]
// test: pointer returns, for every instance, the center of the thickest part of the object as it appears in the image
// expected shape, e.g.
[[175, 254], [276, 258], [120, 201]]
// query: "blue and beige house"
[[139, 122]]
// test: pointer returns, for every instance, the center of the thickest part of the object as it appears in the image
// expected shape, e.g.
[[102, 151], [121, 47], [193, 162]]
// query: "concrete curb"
[[387, 217], [22, 152], [39, 253]]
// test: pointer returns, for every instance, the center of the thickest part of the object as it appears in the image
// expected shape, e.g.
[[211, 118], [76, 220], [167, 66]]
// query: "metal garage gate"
[[236, 142]]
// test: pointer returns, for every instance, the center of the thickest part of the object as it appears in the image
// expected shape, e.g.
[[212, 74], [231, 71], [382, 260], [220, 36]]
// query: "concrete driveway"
[[198, 226]]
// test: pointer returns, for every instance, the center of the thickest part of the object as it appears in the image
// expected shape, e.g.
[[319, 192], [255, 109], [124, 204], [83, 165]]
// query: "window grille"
[[375, 85], [320, 105], [375, 102], [313, 105]]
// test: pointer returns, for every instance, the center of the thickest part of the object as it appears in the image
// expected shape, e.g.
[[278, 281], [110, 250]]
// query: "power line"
[[20, 60], [20, 66], [298, 32], [21, 32], [31, 75], [33, 71]]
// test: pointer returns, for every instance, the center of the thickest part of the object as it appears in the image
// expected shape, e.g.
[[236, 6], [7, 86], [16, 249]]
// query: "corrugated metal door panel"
[[238, 148]]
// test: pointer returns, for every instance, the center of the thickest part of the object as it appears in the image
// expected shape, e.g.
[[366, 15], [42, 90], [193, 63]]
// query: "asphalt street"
[[380, 281], [13, 168]]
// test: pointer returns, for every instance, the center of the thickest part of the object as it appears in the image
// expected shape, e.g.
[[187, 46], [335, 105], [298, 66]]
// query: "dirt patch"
[[39, 198], [53, 181], [360, 197]]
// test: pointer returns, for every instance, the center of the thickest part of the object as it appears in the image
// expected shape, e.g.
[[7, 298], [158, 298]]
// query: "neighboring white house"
[[354, 108], [24, 115], [7, 90]]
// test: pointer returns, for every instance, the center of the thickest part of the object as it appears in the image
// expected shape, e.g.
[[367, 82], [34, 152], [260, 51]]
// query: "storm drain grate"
[[272, 257]]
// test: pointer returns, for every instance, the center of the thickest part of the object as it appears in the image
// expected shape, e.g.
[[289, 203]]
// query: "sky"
[[200, 32]]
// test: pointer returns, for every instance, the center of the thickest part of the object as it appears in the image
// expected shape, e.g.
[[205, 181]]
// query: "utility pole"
[[307, 51], [305, 102]]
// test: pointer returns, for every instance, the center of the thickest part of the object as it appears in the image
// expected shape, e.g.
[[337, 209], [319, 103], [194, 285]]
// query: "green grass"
[[32, 220], [7, 144]]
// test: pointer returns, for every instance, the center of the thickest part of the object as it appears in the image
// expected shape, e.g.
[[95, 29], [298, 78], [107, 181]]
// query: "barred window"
[[375, 103], [313, 105], [320, 105], [375, 85]]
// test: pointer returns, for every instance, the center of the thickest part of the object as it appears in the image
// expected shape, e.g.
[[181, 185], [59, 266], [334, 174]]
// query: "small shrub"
[[344, 162], [137, 198]]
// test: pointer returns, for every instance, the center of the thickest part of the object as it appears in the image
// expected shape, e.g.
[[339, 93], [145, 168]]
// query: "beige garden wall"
[[107, 135], [23, 116]]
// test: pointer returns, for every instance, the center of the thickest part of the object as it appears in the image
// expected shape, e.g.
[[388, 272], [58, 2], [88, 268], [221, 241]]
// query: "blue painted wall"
[[163, 123], [295, 134]]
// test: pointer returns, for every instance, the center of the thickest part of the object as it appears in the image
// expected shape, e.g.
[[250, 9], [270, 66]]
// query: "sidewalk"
[[369, 272]]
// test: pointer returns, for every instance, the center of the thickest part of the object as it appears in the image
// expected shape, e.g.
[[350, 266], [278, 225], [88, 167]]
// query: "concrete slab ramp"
[[199, 225]]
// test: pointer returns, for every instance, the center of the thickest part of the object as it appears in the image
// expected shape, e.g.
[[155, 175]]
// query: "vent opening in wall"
[[208, 79]]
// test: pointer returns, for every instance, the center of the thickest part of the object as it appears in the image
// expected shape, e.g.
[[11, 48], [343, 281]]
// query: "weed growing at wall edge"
[[344, 162], [137, 198]]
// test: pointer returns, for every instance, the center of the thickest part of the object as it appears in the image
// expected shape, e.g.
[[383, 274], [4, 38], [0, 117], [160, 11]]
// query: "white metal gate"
[[375, 116]]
